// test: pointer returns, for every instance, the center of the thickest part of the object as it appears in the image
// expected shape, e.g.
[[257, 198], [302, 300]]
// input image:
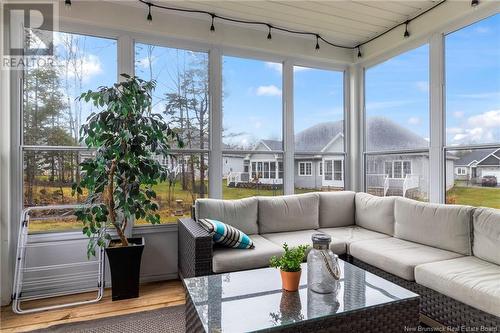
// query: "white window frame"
[[307, 172], [461, 171]]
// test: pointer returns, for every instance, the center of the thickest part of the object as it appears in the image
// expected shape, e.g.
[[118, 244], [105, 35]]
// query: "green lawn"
[[474, 196]]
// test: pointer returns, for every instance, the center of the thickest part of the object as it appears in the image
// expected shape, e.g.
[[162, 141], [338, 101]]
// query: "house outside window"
[[396, 143], [461, 171]]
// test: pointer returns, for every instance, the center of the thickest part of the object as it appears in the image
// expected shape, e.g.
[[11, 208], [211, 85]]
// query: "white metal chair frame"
[[23, 243]]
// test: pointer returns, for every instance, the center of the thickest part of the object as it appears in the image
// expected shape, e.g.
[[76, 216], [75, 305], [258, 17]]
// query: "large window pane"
[[319, 129], [473, 177], [48, 176], [181, 95], [188, 181], [51, 113], [246, 175], [397, 102], [473, 83], [252, 105], [399, 175]]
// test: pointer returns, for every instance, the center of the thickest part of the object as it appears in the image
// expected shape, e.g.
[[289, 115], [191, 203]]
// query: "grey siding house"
[[476, 164], [319, 160]]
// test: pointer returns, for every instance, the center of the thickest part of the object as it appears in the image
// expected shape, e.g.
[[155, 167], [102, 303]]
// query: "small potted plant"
[[289, 265], [120, 176]]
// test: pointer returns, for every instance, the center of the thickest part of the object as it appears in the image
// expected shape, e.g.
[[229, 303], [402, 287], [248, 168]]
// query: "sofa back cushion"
[[375, 213], [486, 240], [447, 227], [288, 213], [336, 209], [241, 214]]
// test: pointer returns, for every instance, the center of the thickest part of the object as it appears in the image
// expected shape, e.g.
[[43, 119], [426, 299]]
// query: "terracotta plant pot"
[[290, 280]]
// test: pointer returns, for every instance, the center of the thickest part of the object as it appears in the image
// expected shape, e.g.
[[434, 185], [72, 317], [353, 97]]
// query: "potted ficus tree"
[[289, 265], [119, 178]]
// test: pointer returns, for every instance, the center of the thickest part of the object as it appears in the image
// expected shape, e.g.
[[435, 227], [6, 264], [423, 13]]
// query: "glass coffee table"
[[250, 301]]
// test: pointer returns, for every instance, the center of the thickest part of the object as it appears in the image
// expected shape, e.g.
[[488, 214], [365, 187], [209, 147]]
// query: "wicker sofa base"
[[443, 310], [396, 317]]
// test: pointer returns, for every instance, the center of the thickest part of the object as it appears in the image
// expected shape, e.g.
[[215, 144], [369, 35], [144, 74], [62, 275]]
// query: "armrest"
[[195, 249]]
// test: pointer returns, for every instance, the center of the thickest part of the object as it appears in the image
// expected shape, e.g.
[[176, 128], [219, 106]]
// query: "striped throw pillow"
[[227, 235]]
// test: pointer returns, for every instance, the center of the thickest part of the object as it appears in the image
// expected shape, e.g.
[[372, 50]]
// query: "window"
[[252, 127], [52, 117], [397, 122], [305, 168], [472, 150], [182, 98], [252, 104], [319, 129]]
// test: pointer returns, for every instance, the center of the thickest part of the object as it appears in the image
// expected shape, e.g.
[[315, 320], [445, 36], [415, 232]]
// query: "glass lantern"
[[323, 270]]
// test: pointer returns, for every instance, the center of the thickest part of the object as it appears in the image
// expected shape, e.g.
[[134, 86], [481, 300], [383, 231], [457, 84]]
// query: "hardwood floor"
[[152, 296]]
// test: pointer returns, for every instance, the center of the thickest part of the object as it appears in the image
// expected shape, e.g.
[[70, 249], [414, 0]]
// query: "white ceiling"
[[342, 22]]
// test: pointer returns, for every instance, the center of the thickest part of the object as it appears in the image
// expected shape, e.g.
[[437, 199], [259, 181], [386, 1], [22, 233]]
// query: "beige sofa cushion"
[[375, 213], [303, 237], [397, 256], [468, 279], [336, 209], [230, 260], [447, 227], [241, 214], [288, 213], [349, 235], [486, 241]]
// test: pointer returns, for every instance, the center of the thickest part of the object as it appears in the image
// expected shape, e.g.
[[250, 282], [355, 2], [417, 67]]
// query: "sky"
[[397, 89]]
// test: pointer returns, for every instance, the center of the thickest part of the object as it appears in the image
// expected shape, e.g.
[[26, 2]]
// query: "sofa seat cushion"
[[241, 214], [469, 280], [397, 256], [336, 209], [352, 234], [486, 244], [447, 227], [230, 260], [296, 238], [375, 213], [288, 213]]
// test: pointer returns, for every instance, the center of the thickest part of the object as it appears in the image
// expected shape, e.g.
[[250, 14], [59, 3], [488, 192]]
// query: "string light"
[[213, 16], [150, 17], [407, 33], [474, 3], [212, 27], [67, 3]]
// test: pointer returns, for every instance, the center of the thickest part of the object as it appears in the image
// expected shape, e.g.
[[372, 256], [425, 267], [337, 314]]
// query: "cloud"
[[86, 67], [458, 114], [414, 121], [488, 119], [270, 90], [422, 86], [482, 30], [278, 67], [478, 128], [146, 61]]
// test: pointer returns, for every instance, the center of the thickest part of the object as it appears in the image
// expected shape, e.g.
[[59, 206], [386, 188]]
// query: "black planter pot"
[[125, 266]]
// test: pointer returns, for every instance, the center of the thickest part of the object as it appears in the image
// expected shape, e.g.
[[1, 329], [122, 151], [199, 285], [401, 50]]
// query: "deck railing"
[[382, 181]]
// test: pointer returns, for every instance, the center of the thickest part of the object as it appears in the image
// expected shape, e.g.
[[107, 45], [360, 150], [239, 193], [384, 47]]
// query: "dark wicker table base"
[[394, 317]]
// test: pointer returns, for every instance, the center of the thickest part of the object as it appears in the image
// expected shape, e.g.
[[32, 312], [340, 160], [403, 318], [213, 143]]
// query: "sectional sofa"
[[449, 254]]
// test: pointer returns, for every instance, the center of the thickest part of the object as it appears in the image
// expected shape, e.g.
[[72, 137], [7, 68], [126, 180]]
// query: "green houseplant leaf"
[[119, 178], [292, 258]]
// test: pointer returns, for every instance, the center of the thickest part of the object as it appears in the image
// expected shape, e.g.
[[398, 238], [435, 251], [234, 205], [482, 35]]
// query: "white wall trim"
[[288, 129]]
